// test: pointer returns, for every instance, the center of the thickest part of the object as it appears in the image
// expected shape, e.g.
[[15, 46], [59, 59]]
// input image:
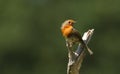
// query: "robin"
[[72, 36]]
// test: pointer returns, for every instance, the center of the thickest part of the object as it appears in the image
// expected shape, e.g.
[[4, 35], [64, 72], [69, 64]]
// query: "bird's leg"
[[69, 44], [71, 54]]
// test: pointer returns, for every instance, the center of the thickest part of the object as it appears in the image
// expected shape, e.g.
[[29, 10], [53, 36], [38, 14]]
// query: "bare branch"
[[76, 58]]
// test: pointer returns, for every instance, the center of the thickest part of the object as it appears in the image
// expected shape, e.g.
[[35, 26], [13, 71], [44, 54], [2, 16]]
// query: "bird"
[[71, 35]]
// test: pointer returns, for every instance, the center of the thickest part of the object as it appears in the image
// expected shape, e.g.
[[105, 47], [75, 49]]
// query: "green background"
[[31, 40]]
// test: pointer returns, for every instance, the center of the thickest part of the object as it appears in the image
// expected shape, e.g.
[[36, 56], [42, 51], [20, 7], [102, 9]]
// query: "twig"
[[76, 58]]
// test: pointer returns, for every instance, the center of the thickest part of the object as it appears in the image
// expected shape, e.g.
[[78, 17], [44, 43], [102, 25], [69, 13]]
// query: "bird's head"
[[69, 22]]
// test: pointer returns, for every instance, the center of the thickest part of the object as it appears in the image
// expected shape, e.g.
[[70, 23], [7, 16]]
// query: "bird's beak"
[[73, 22]]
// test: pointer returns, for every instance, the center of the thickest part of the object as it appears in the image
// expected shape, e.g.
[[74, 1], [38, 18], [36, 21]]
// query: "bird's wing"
[[76, 33]]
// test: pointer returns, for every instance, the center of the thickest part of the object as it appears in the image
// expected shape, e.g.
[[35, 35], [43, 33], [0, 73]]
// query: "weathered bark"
[[76, 58]]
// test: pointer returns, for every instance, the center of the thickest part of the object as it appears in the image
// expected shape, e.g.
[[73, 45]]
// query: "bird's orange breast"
[[66, 30]]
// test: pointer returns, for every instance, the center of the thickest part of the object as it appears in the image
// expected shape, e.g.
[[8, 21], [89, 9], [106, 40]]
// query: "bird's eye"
[[69, 22]]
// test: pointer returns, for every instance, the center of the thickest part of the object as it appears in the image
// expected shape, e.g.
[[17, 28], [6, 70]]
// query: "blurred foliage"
[[31, 41]]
